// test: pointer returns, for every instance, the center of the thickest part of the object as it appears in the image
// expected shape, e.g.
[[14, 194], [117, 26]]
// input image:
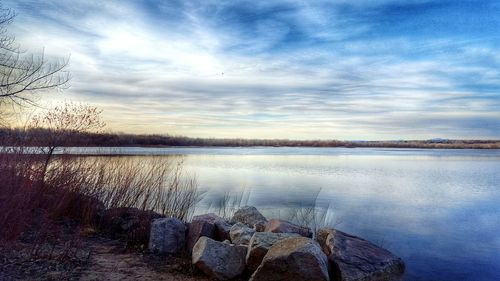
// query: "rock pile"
[[272, 249]]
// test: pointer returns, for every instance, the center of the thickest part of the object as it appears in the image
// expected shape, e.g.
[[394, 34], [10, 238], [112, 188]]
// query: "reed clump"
[[81, 188], [41, 186]]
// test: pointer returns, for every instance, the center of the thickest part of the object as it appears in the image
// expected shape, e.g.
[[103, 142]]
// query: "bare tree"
[[22, 74], [62, 124]]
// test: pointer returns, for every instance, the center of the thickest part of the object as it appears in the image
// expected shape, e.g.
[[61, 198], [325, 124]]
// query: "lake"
[[439, 210]]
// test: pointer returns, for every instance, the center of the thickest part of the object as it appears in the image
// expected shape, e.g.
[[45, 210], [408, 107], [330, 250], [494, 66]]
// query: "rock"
[[222, 228], [282, 226], [259, 226], [321, 236], [209, 225], [168, 236], [241, 234], [197, 229], [131, 224], [260, 243], [217, 259], [297, 258], [54, 275], [210, 217], [248, 215], [355, 259]]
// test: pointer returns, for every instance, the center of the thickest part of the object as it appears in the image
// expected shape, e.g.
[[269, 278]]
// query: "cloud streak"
[[279, 69]]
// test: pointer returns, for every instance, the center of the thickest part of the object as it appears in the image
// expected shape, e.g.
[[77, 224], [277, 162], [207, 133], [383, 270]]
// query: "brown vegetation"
[[40, 191], [111, 139]]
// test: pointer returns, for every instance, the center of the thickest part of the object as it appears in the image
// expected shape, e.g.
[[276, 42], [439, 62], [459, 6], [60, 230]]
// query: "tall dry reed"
[[78, 188]]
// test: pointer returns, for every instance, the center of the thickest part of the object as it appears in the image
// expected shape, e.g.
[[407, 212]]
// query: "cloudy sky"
[[339, 69]]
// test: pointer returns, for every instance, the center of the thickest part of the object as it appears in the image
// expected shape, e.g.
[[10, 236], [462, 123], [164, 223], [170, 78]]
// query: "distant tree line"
[[38, 136]]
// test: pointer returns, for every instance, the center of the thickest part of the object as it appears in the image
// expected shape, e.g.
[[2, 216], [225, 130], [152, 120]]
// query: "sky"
[[340, 69]]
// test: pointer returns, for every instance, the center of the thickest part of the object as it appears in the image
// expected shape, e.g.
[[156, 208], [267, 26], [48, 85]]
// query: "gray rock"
[[282, 226], [297, 258], [168, 236], [217, 259], [241, 234], [198, 228], [209, 225], [222, 228], [248, 215], [260, 243], [355, 259], [210, 217]]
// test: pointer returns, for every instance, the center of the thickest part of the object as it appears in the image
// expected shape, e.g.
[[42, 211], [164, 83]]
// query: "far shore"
[[11, 137]]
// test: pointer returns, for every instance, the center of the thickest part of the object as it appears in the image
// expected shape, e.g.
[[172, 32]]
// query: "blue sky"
[[337, 69]]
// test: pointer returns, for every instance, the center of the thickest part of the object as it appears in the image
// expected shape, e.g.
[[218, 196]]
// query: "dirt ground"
[[110, 261], [105, 259]]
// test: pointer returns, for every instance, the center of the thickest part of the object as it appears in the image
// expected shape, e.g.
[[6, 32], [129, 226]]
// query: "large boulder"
[[282, 226], [219, 260], [260, 244], [296, 258], [241, 234], [355, 259], [248, 215], [168, 236], [131, 224]]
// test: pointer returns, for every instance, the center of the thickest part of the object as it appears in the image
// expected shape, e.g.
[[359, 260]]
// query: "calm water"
[[439, 210]]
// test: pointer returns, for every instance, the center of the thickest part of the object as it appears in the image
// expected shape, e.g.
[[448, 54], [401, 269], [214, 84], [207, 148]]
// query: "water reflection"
[[439, 213]]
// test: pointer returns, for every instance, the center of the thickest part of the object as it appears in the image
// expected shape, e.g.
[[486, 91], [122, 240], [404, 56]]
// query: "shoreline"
[[11, 137]]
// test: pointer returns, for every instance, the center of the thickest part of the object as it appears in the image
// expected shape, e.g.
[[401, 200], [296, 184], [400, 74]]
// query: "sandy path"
[[110, 262]]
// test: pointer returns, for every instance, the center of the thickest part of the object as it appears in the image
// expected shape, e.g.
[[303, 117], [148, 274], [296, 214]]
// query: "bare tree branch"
[[24, 75]]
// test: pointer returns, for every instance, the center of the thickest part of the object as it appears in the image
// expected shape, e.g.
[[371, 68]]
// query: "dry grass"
[[147, 183], [227, 203], [311, 214], [77, 188]]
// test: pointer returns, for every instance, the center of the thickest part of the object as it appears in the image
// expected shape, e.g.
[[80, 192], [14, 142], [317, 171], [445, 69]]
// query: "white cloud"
[[196, 76]]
